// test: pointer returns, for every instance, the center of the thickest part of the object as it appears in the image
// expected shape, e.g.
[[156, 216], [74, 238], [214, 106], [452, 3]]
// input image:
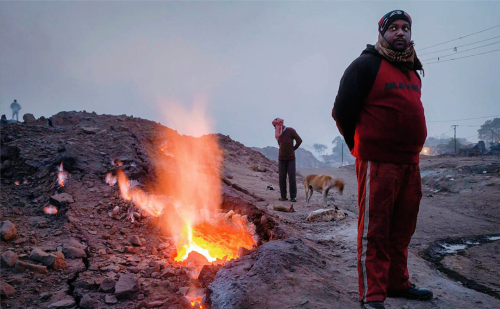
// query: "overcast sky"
[[249, 62]]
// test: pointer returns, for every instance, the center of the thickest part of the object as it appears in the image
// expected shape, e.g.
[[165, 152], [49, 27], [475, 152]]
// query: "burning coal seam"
[[189, 205]]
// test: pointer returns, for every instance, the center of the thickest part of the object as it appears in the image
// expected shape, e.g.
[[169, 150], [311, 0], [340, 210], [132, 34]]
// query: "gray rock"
[[73, 242], [107, 285], [134, 240], [87, 302], [45, 296], [90, 130], [37, 221], [62, 198], [65, 303], [75, 265], [29, 118], [54, 260], [157, 303], [295, 267], [6, 290], [169, 272], [74, 253], [9, 258], [7, 230], [22, 266], [183, 290], [6, 165], [127, 286], [207, 274], [110, 299]]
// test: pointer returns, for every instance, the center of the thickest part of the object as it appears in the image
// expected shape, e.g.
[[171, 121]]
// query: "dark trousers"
[[389, 198], [287, 167]]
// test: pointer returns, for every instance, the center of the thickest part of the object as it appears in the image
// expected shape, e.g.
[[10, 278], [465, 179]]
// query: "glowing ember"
[[195, 302], [62, 175], [50, 210], [110, 179], [16, 183]]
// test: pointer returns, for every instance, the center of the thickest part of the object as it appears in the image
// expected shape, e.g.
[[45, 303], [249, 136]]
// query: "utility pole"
[[342, 153], [455, 136]]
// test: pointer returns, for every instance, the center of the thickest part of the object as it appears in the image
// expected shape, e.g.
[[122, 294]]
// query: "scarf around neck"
[[406, 60]]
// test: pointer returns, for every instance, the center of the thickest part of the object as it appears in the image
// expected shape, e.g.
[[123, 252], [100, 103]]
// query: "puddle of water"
[[470, 242], [493, 238], [449, 248]]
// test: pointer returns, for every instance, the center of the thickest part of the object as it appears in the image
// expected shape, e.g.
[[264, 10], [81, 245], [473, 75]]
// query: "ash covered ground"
[[90, 255]]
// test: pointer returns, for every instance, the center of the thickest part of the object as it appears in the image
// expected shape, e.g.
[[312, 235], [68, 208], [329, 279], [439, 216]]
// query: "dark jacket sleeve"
[[355, 86], [298, 140]]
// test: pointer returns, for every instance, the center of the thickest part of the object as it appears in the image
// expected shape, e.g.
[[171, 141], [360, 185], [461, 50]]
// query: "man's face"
[[398, 35]]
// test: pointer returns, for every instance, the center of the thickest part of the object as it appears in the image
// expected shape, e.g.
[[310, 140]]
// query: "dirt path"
[[470, 211]]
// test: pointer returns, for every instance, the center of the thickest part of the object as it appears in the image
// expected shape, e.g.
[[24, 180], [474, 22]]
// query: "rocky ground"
[[89, 255]]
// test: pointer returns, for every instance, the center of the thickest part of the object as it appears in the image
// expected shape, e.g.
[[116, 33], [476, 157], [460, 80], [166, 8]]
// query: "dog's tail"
[[339, 183]]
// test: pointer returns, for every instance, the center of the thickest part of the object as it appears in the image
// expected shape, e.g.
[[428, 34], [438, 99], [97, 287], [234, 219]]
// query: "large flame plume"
[[187, 195]]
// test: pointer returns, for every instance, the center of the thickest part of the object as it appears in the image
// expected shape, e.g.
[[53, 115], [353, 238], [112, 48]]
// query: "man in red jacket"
[[379, 113], [285, 137]]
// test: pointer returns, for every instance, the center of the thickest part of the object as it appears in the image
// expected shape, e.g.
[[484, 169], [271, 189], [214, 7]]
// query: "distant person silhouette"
[[15, 109], [4, 119]]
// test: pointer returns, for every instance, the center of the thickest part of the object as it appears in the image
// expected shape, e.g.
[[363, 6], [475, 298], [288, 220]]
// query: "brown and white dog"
[[323, 184]]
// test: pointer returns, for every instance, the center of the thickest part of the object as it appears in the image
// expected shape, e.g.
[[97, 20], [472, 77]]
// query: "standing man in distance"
[[285, 137], [379, 113], [15, 109]]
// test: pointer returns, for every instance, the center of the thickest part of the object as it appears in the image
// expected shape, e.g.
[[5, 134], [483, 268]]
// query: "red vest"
[[391, 126]]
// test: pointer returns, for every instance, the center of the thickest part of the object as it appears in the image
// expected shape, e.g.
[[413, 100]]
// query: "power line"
[[491, 51], [464, 119], [459, 38], [459, 52], [438, 51]]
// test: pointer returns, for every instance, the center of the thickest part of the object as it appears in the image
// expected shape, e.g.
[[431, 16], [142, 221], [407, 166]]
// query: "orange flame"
[[50, 210], [151, 204], [16, 183], [216, 240], [62, 175], [194, 301]]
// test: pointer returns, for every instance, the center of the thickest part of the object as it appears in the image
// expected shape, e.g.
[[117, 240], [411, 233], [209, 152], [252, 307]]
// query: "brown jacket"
[[285, 141]]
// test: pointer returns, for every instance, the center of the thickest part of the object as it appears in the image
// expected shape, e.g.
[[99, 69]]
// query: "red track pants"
[[388, 198]]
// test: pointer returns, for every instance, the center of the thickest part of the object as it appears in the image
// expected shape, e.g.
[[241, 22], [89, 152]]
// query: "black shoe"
[[283, 199], [293, 200], [374, 305], [412, 293]]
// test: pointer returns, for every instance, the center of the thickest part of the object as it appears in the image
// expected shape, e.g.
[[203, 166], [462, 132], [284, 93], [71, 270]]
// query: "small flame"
[[62, 175], [50, 210], [129, 191], [16, 183], [110, 179]]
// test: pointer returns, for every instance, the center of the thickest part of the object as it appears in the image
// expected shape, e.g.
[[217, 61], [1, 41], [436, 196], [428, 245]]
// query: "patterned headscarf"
[[278, 127], [390, 17]]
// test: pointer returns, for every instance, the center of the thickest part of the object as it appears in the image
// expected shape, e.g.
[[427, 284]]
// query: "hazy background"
[[248, 62]]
